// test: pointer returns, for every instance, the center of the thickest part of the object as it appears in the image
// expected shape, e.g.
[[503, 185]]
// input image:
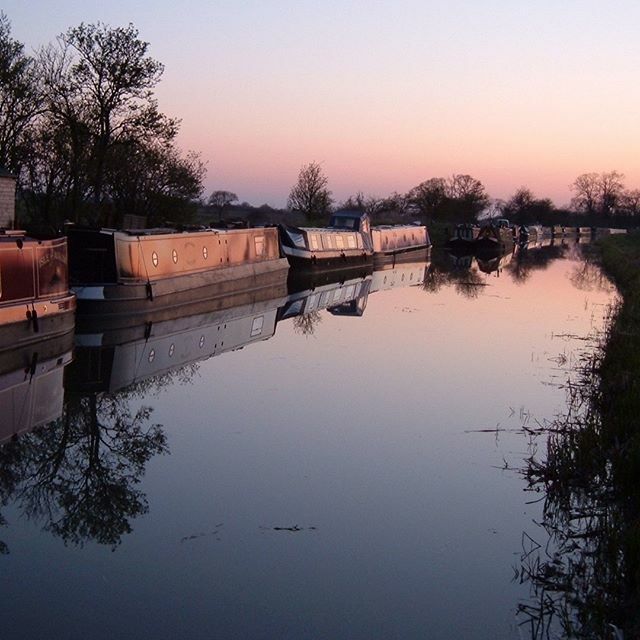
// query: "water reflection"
[[31, 385], [581, 563], [393, 487], [70, 461]]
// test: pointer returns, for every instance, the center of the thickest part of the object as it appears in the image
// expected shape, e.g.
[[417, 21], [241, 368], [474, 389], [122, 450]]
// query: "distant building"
[[7, 199]]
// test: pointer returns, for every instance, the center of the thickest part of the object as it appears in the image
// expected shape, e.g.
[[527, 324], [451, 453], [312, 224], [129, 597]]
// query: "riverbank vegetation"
[[585, 578]]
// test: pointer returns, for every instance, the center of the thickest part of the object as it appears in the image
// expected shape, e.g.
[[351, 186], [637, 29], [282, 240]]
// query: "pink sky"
[[387, 94]]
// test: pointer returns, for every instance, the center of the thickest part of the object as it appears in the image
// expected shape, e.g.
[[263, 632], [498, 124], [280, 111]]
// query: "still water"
[[343, 464]]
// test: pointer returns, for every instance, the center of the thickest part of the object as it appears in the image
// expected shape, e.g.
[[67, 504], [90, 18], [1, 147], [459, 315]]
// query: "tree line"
[[81, 130], [597, 199]]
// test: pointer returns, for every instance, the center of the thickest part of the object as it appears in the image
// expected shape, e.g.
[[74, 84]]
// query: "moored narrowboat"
[[138, 271], [464, 236], [349, 239], [35, 301], [496, 236]]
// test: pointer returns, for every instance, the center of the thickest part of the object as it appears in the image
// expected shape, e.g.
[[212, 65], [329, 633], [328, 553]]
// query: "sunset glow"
[[386, 94]]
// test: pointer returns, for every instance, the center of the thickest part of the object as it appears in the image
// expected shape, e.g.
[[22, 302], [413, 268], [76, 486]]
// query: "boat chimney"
[[7, 199]]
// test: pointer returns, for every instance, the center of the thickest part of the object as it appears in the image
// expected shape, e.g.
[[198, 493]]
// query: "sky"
[[385, 94]]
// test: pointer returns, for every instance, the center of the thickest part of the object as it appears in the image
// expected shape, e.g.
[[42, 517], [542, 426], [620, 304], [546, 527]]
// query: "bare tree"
[[220, 199], [597, 193], [587, 191], [310, 194], [429, 196], [611, 191], [630, 202], [20, 99]]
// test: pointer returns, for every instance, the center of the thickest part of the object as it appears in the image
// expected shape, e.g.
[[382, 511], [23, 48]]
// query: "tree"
[[611, 192], [586, 191], [523, 207], [220, 199], [100, 148], [630, 202], [20, 99], [310, 194], [154, 181], [97, 83], [359, 202], [597, 193], [468, 196], [429, 196]]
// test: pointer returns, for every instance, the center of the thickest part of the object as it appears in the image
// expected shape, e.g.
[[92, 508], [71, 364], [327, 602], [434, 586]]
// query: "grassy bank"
[[619, 406], [620, 369], [587, 581]]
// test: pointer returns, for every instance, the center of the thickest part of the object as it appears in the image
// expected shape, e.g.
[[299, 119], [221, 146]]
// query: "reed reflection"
[[582, 563]]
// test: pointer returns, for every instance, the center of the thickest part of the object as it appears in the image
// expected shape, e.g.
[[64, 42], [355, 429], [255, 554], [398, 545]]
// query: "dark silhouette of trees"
[[598, 193], [154, 181], [80, 126], [460, 197], [221, 199], [78, 476], [20, 100], [524, 208], [310, 195], [429, 196]]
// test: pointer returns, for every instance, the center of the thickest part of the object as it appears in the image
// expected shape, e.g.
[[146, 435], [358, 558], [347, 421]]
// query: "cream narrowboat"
[[138, 271], [349, 239]]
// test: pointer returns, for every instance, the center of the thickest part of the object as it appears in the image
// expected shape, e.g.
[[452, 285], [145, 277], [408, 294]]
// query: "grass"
[[590, 480]]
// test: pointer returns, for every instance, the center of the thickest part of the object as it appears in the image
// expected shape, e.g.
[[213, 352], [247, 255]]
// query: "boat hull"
[[154, 271], [35, 301]]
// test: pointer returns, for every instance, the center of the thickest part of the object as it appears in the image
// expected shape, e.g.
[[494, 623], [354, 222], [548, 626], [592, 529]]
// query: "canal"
[[336, 460]]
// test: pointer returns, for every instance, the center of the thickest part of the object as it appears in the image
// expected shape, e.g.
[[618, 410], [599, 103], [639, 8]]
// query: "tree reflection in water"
[[78, 475], [583, 575], [306, 323]]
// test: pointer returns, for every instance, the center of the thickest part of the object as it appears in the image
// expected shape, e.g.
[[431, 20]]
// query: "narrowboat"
[[532, 234], [393, 243], [349, 239], [35, 300], [464, 236], [138, 271], [496, 236]]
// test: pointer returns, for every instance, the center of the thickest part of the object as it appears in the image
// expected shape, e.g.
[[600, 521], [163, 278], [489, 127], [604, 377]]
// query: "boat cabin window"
[[345, 222]]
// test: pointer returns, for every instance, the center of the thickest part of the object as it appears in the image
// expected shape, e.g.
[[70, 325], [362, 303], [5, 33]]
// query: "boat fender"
[[32, 318], [149, 290], [147, 330], [19, 243]]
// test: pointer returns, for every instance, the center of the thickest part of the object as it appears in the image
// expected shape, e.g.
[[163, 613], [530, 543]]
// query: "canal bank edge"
[[619, 401]]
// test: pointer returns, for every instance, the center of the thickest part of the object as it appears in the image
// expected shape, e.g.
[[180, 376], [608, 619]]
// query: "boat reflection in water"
[[345, 293], [32, 385], [115, 352]]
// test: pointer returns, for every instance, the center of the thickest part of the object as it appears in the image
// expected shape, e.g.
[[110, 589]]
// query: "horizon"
[[384, 97]]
